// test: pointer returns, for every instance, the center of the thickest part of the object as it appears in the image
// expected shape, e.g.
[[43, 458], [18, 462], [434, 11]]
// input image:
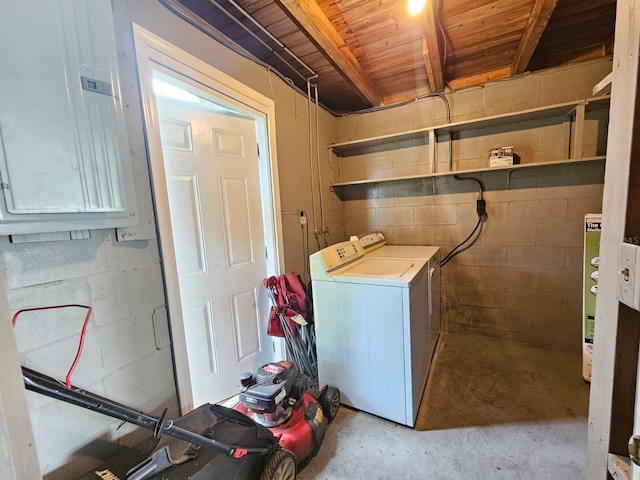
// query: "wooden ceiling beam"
[[533, 31], [480, 78], [308, 15], [431, 51]]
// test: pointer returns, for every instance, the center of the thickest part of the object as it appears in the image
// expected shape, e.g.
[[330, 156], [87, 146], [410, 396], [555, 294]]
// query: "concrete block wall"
[[126, 355], [530, 90], [522, 279], [298, 168]]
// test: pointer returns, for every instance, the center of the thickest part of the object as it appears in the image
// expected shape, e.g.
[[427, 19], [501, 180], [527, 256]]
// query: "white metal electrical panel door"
[[64, 148], [211, 163]]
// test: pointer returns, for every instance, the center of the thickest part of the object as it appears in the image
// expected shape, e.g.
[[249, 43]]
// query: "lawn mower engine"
[[278, 397]]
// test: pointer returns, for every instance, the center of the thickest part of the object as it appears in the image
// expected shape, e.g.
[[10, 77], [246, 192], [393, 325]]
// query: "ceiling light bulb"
[[415, 6]]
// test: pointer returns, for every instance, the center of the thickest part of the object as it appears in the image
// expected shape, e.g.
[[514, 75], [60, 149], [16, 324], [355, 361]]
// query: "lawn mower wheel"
[[330, 402], [280, 466]]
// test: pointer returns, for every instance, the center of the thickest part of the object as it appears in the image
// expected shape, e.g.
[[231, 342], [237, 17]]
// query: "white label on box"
[[500, 161]]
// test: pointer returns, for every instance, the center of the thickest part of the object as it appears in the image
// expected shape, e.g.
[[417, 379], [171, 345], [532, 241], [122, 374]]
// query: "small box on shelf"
[[501, 156]]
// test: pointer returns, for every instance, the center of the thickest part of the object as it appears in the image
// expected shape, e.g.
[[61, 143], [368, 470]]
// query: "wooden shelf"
[[571, 115], [565, 109], [603, 87], [341, 185]]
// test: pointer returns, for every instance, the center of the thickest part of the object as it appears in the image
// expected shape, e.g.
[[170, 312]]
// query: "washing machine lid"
[[394, 272], [347, 262], [405, 251]]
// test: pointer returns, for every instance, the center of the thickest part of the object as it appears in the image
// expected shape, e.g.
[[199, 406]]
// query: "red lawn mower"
[[276, 427], [279, 398]]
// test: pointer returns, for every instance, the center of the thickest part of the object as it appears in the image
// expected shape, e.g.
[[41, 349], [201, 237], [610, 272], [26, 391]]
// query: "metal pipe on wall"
[[310, 152], [272, 37], [322, 224]]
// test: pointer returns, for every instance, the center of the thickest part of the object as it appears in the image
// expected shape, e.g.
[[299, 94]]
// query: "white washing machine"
[[374, 244], [372, 329]]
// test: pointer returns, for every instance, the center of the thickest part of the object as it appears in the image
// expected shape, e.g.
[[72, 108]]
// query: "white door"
[[213, 185]]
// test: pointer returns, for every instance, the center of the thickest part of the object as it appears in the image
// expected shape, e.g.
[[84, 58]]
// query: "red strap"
[[239, 453]]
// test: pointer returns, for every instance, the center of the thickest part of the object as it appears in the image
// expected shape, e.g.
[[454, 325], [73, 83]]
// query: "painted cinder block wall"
[[127, 354], [522, 280]]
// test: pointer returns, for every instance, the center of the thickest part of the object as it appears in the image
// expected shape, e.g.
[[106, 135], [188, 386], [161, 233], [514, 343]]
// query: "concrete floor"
[[491, 410]]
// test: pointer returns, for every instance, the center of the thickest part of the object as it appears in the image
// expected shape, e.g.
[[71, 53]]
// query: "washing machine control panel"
[[339, 255], [371, 241]]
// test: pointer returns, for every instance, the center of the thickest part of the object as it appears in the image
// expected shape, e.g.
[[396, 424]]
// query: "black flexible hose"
[[473, 179], [478, 228], [456, 250]]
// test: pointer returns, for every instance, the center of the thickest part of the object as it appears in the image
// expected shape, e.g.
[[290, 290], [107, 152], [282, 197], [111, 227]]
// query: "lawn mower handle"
[[45, 385]]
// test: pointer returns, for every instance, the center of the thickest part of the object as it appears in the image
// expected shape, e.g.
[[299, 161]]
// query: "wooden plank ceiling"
[[366, 53]]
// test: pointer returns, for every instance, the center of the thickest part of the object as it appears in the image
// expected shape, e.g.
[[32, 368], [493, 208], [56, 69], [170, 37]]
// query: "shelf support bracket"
[[578, 132], [432, 151]]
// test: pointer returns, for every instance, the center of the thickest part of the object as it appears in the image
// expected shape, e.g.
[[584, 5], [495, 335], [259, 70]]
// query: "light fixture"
[[415, 6]]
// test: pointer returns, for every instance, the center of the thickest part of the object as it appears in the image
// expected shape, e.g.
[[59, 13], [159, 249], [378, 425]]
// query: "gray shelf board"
[[538, 113], [464, 172], [347, 147]]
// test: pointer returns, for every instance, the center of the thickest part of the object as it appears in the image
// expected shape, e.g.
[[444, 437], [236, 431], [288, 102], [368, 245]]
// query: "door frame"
[[153, 52]]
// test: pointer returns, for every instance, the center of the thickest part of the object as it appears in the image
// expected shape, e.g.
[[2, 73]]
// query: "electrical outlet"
[[628, 275]]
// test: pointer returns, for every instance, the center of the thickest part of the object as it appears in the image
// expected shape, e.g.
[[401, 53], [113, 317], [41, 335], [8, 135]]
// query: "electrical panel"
[[64, 154]]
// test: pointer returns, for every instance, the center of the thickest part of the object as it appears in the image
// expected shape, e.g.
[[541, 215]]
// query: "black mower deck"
[[198, 463]]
